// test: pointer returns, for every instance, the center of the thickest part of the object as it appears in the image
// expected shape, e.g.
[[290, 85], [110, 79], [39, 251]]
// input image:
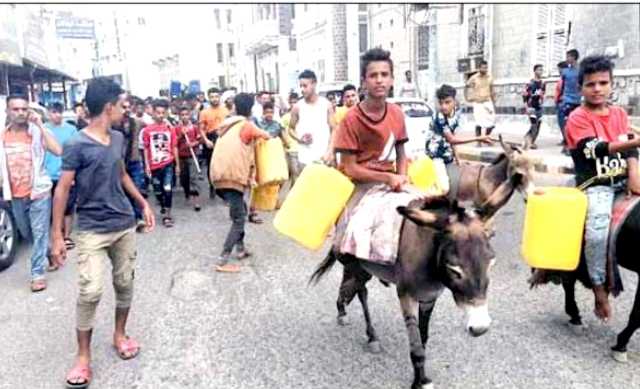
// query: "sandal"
[[167, 222], [38, 285], [82, 372], [51, 268], [253, 218], [228, 268], [243, 254], [127, 348], [69, 243]]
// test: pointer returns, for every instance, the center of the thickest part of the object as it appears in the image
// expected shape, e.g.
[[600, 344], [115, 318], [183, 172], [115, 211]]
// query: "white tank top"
[[312, 119]]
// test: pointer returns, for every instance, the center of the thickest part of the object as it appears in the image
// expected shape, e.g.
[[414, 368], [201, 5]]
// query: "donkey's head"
[[511, 171], [463, 257]]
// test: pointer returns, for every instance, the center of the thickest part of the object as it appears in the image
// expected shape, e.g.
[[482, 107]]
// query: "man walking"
[[25, 181], [62, 132], [570, 90], [94, 160], [533, 98], [188, 139], [210, 119], [349, 100], [483, 98], [408, 88], [312, 123]]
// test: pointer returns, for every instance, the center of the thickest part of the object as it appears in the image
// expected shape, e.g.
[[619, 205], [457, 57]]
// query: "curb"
[[540, 165]]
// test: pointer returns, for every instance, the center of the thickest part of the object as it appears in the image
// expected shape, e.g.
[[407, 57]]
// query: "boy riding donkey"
[[606, 162]]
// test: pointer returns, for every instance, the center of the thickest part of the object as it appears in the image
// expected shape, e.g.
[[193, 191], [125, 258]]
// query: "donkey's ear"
[[424, 218], [507, 149]]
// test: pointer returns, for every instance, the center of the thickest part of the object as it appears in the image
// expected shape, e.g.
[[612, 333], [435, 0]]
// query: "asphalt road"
[[265, 328]]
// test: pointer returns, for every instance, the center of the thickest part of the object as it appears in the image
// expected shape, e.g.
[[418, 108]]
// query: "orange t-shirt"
[[211, 118], [373, 142], [17, 146]]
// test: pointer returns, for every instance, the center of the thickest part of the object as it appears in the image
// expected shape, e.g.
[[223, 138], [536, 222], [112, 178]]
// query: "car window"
[[416, 110]]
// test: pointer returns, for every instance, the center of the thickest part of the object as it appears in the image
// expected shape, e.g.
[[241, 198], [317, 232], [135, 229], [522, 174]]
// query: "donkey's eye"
[[455, 271]]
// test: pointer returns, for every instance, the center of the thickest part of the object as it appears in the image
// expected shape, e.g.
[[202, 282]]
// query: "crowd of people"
[[100, 168]]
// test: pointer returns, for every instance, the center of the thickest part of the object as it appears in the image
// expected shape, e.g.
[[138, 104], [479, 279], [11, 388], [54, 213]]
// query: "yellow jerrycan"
[[265, 197], [313, 205], [271, 162], [422, 173], [554, 228]]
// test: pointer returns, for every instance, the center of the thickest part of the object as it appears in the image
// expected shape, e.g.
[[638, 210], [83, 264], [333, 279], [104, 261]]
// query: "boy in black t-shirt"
[[533, 98]]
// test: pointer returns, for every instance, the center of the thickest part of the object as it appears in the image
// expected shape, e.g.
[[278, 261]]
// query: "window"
[[219, 50], [391, 45], [293, 11], [379, 26], [363, 32], [362, 7], [423, 46], [229, 21], [231, 51], [306, 8], [221, 82], [551, 36], [476, 31], [217, 15], [391, 23]]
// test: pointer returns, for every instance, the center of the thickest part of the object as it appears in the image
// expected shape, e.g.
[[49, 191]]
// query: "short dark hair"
[[263, 92], [348, 87], [331, 94], [184, 108], [76, 105], [160, 103], [268, 105], [100, 92], [16, 97], [562, 65], [213, 90], [243, 103], [56, 107], [537, 66], [446, 91], [293, 95], [574, 53], [308, 75], [595, 64], [483, 62], [374, 55]]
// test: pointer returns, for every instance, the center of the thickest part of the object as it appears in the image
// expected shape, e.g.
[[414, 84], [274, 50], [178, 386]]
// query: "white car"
[[417, 116]]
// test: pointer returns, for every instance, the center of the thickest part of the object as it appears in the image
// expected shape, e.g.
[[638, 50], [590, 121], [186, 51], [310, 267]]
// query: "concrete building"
[[514, 37], [329, 41]]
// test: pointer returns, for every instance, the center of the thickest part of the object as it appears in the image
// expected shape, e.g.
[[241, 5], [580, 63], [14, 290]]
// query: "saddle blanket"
[[369, 227]]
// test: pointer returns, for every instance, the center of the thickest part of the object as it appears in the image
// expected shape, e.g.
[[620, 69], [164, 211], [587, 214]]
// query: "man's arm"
[[493, 93], [330, 154], [460, 140], [402, 163], [633, 184], [622, 146], [131, 189], [203, 134], [50, 142], [293, 122], [467, 86]]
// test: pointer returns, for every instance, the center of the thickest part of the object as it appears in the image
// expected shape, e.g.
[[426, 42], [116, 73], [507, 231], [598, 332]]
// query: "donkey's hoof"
[[428, 385], [374, 347], [343, 321], [620, 356]]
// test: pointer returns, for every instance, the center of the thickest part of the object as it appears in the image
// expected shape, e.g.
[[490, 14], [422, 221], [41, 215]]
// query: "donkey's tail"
[[324, 267]]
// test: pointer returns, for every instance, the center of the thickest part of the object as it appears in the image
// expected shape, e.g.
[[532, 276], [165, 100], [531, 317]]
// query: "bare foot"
[[603, 308]]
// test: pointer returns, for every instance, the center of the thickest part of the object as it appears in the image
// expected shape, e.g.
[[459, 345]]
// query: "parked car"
[[417, 115], [8, 236]]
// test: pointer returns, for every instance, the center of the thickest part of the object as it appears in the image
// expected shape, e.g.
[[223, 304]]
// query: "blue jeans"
[[163, 185], [33, 218], [136, 171], [596, 234]]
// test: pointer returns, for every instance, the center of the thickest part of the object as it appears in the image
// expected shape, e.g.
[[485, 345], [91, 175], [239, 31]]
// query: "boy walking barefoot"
[[106, 224]]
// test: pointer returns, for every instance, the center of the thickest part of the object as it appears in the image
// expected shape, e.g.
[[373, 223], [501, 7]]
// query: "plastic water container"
[[313, 205], [422, 173], [265, 197], [554, 228], [271, 162]]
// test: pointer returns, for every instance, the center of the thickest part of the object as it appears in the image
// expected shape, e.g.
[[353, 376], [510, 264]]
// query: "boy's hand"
[[208, 143], [147, 171], [35, 118], [396, 182], [486, 139]]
